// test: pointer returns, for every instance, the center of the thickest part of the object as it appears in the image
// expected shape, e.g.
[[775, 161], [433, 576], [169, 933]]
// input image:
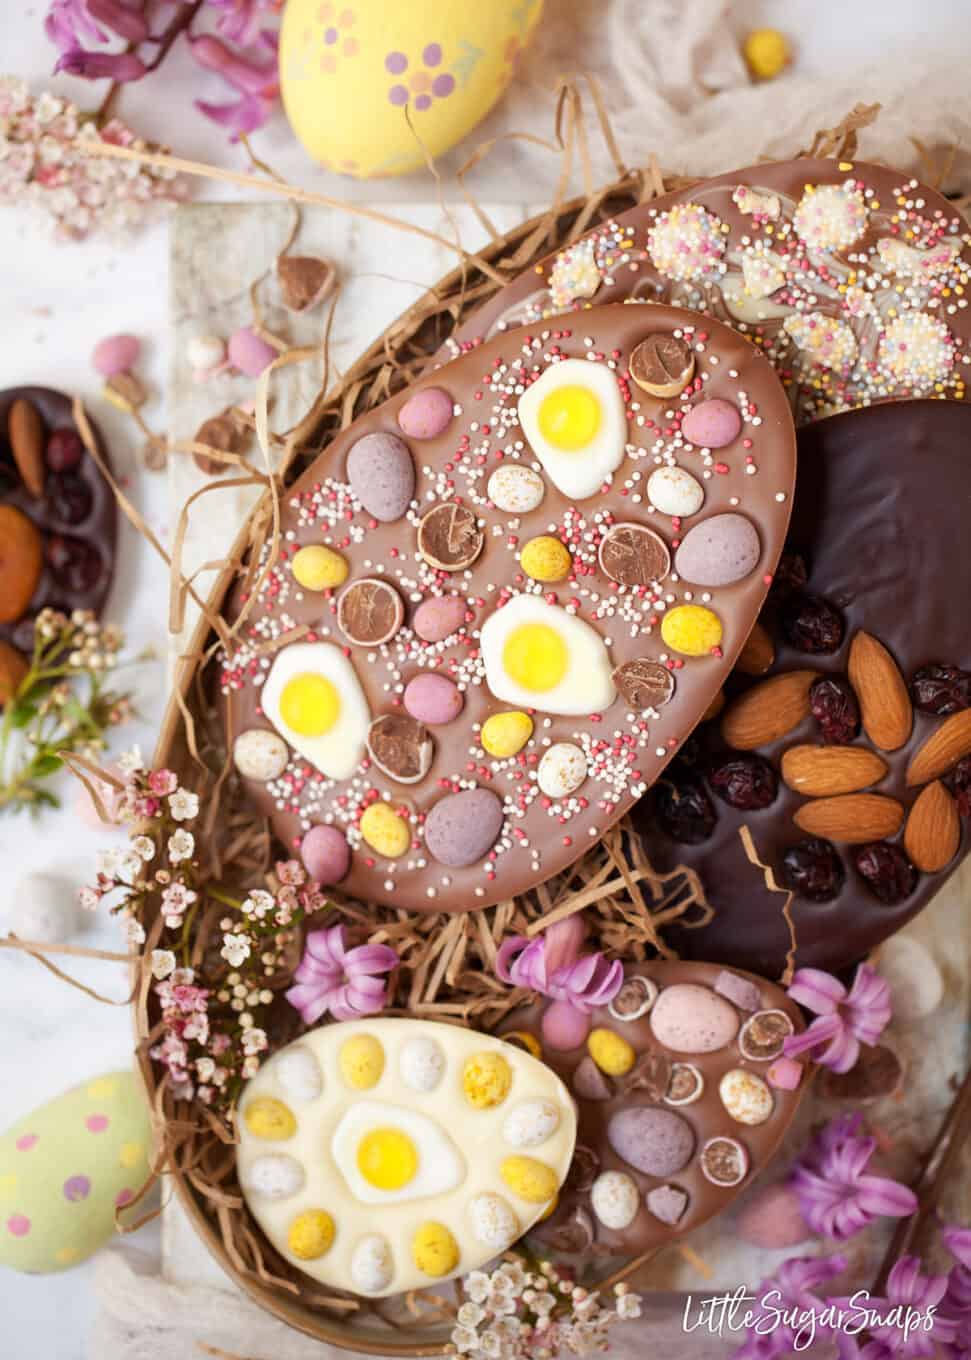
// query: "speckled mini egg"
[[352, 75], [66, 1167], [562, 770], [530, 1123], [515, 489], [259, 754]]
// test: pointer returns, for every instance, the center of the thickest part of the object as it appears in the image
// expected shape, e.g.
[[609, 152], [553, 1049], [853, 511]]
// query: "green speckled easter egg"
[[65, 1168]]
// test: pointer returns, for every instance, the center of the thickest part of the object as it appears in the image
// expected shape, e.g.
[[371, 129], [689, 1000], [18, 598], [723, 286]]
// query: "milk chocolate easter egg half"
[[842, 760], [498, 652]]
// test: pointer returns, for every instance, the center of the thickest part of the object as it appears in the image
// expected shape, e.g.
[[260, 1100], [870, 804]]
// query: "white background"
[[55, 303]]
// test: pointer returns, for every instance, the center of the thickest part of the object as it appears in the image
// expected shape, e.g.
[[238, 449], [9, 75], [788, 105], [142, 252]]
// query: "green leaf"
[[43, 798], [22, 714], [45, 765]]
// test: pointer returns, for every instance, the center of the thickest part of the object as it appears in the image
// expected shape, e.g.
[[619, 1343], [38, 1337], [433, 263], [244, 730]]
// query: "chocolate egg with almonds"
[[523, 662]]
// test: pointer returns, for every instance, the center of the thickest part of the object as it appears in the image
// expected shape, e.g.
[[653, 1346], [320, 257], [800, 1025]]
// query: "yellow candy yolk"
[[535, 657], [387, 1159], [311, 1234], [569, 417], [361, 1061], [310, 704]]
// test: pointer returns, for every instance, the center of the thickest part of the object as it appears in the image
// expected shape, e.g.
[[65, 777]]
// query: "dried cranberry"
[[889, 874], [70, 497], [959, 782], [692, 752], [941, 689], [834, 707], [791, 574], [682, 806], [748, 783], [76, 565], [64, 450], [813, 869], [811, 624]]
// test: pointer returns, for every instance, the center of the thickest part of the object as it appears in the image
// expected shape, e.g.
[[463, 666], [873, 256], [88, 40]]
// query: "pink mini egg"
[[249, 353], [116, 354], [439, 617], [712, 424], [325, 853], [772, 1218], [433, 699], [426, 414], [564, 1026]]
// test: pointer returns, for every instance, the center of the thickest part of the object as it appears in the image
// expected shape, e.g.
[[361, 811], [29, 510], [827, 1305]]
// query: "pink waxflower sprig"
[[114, 40], [845, 1019]]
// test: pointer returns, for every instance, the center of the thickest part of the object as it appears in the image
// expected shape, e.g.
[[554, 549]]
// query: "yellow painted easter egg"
[[353, 74], [66, 1167]]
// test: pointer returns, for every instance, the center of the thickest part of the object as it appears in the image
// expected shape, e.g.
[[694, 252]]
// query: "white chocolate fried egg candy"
[[574, 420], [313, 698], [379, 1184], [536, 655]]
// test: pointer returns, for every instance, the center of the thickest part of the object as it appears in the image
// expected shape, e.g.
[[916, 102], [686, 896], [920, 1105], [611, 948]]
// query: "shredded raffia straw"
[[447, 968], [773, 886]]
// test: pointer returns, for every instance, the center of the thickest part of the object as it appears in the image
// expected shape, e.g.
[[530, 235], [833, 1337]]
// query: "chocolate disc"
[[662, 365], [401, 747], [449, 537], [634, 555], [370, 612], [644, 684]]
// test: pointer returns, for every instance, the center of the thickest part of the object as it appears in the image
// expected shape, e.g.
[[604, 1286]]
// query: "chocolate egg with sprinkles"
[[505, 661], [853, 280]]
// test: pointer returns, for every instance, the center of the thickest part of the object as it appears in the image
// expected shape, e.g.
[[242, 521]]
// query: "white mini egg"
[[276, 1176], [45, 908], [493, 1222], [372, 1264], [675, 492], [615, 1200], [515, 489], [205, 352], [298, 1074], [530, 1123], [261, 755], [313, 697], [562, 770], [422, 1064], [388, 1154], [574, 419], [536, 655]]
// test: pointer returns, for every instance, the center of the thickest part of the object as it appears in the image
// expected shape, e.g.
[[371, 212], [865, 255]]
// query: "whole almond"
[[758, 654], [13, 668], [933, 831], [822, 771], [942, 749], [852, 818], [715, 707], [885, 703], [25, 430], [768, 711]]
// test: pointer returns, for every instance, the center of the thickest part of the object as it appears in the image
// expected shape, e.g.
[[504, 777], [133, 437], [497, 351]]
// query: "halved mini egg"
[[574, 420], [313, 698], [536, 655]]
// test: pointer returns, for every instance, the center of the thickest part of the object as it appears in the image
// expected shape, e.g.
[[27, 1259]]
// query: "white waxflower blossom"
[[184, 805], [144, 848], [163, 963], [235, 950], [181, 846]]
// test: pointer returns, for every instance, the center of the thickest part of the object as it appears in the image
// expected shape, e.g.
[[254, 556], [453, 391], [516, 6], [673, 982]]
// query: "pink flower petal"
[[816, 990]]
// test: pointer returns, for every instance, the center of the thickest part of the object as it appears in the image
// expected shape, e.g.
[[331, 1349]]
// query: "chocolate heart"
[[808, 256], [69, 503], [684, 1114], [561, 644], [874, 586]]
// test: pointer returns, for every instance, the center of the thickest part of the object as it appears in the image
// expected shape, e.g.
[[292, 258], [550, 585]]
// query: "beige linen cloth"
[[674, 84]]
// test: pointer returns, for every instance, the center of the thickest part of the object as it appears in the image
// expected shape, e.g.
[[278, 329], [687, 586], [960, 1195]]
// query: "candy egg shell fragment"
[[574, 421], [635, 998], [406, 1180]]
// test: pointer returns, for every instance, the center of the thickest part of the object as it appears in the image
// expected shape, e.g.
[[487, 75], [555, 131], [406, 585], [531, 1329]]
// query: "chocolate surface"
[[883, 503], [75, 514], [663, 1087], [825, 284], [600, 624]]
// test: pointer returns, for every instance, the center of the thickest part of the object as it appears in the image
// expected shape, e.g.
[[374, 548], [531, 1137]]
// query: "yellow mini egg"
[[354, 74], [691, 629], [610, 1052], [505, 734], [767, 53], [317, 567], [486, 1079], [435, 1250], [530, 1179], [311, 1234], [385, 830], [521, 1038], [66, 1168], [546, 559], [362, 1061], [270, 1119]]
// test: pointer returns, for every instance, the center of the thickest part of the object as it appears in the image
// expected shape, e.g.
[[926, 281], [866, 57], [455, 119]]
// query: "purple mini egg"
[[657, 1142], [325, 853], [116, 354], [773, 1219], [462, 828], [719, 551], [712, 424], [433, 699], [381, 475], [439, 617], [426, 414], [249, 353]]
